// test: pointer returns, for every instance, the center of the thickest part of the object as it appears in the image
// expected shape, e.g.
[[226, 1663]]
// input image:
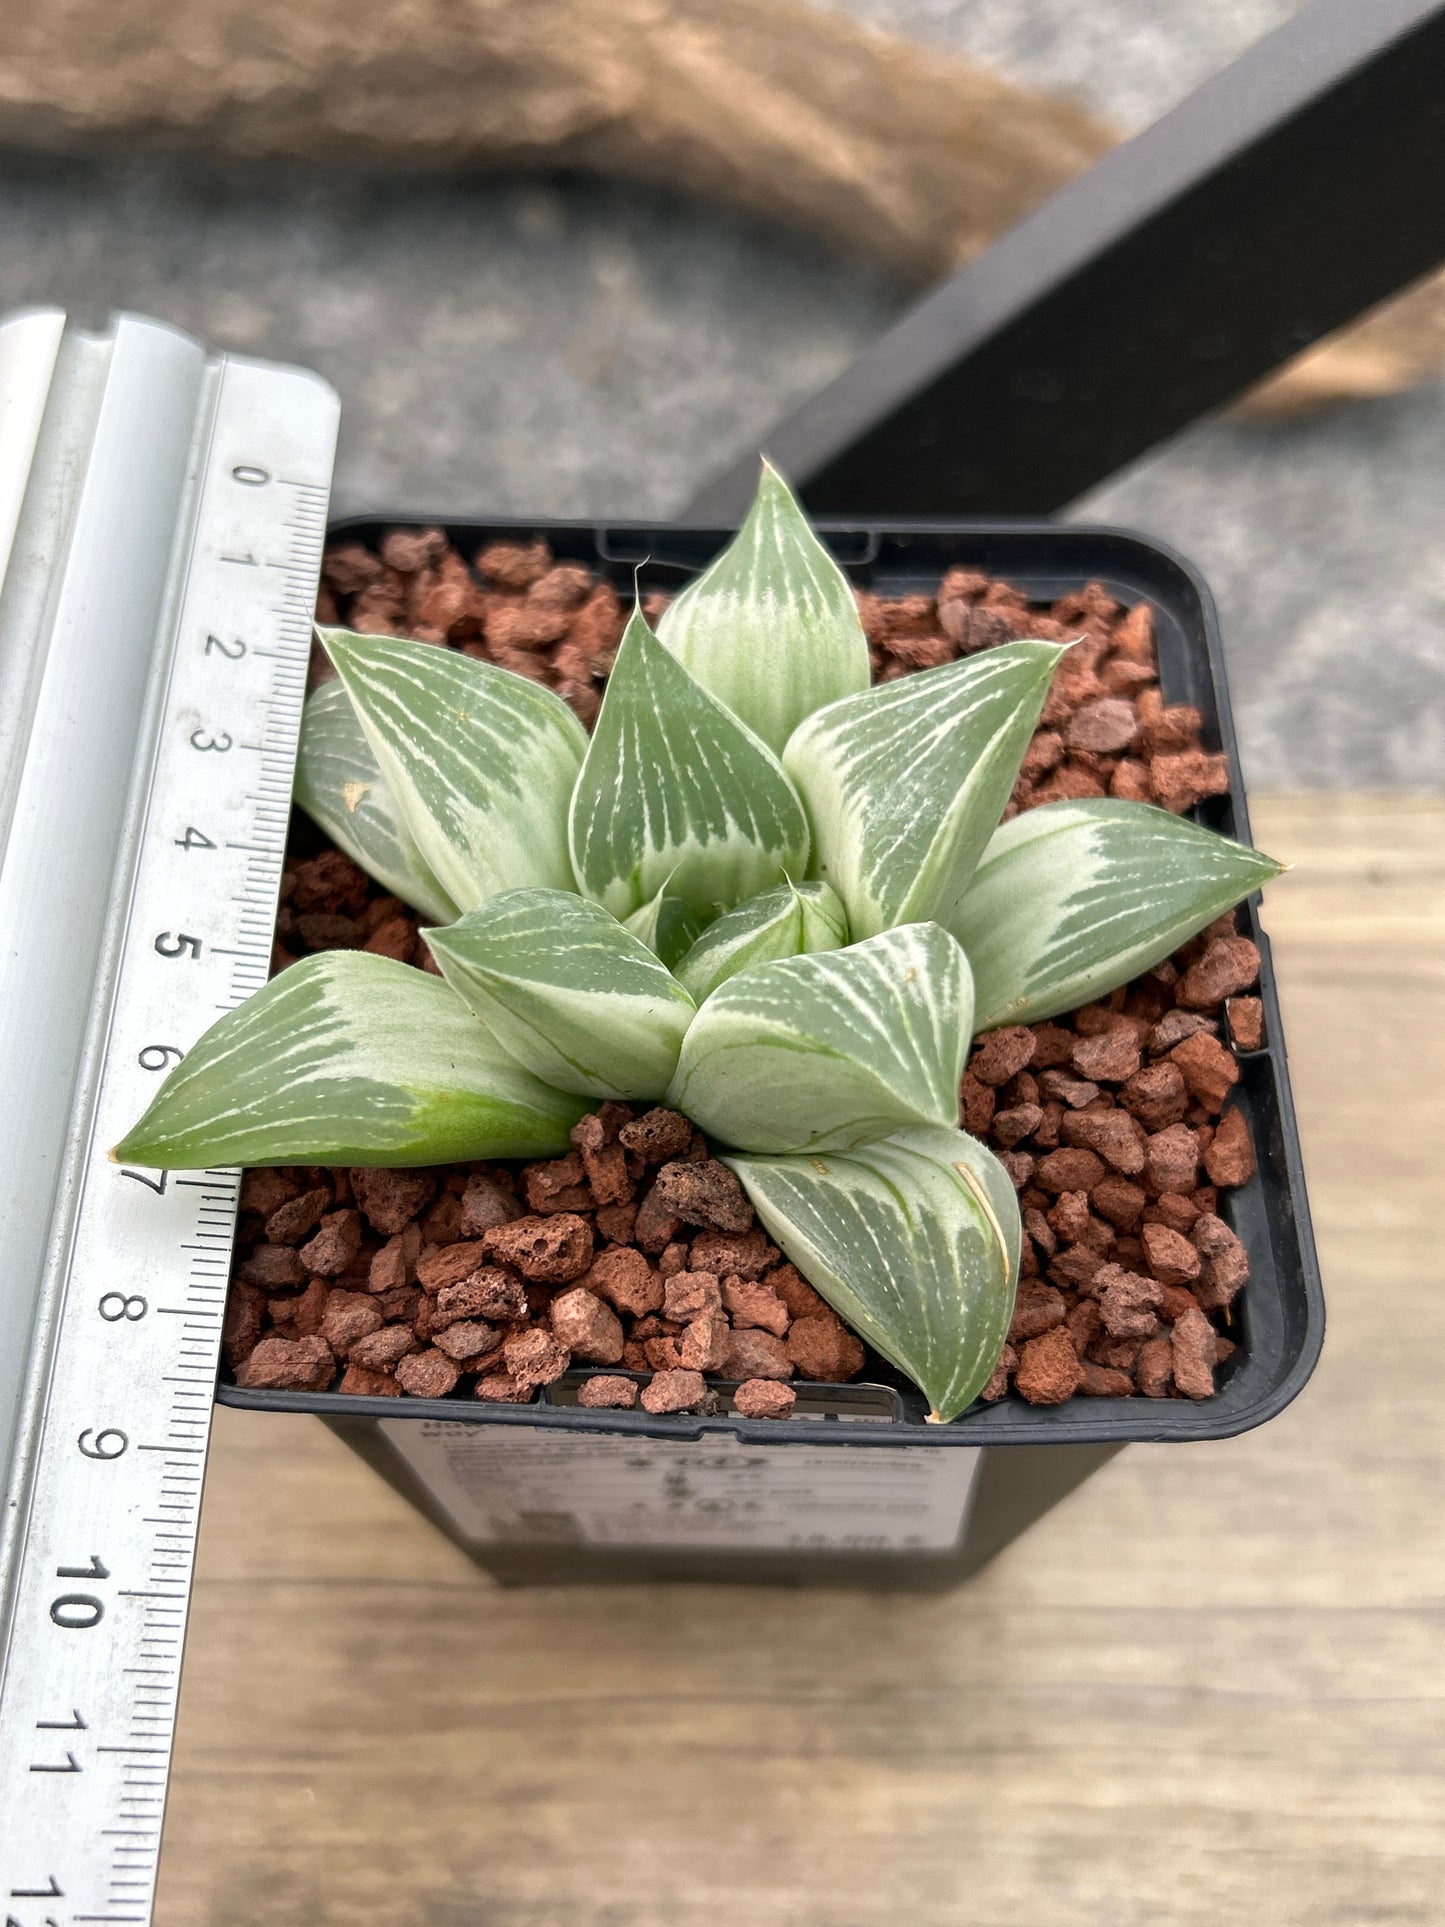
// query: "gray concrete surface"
[[574, 347]]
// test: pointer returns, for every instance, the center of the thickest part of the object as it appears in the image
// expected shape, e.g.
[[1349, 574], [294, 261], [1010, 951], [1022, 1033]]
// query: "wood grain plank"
[[1208, 1688]]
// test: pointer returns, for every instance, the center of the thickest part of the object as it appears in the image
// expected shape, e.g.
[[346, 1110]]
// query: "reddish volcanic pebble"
[[360, 1382], [705, 1343], [674, 1391], [756, 1354], [657, 1136], [607, 1392], [1155, 1367], [535, 1358], [725, 1254], [349, 1315], [1172, 1259], [1108, 1058], [627, 1281], [1002, 1054], [448, 1265], [1208, 1068], [467, 1341], [281, 1364], [1049, 1371], [428, 1374], [389, 1200], [1228, 966], [383, 1350], [485, 1205], [1246, 1022], [704, 1194], [756, 1306], [273, 1267], [823, 1349], [297, 1218], [502, 1389], [1113, 1123], [588, 1328], [1192, 1353], [1230, 1157], [334, 1246], [764, 1398], [554, 1251], [691, 1294]]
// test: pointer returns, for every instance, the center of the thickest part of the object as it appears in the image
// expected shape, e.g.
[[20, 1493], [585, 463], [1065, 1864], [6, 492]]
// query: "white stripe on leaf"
[[905, 783], [347, 1058], [480, 762], [913, 1240], [676, 795], [770, 626], [340, 786], [832, 1049], [572, 995], [1071, 900]]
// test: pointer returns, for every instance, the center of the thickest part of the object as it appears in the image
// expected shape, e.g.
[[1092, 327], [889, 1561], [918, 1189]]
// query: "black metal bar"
[[1290, 193]]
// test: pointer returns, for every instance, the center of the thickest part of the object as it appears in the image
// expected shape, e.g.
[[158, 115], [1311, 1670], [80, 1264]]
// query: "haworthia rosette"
[[573, 996], [827, 1051], [1073, 899], [914, 1242], [677, 795], [771, 626], [346, 1058], [789, 922], [480, 762], [340, 786], [905, 783]]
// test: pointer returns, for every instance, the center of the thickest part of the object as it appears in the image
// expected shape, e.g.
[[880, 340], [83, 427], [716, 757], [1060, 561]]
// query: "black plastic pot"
[[1021, 1458]]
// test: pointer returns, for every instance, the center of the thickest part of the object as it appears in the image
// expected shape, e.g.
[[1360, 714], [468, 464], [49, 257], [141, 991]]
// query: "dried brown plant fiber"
[[887, 149]]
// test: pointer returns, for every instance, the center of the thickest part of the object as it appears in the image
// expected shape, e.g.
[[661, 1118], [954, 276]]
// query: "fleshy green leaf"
[[668, 925], [799, 918], [677, 795], [340, 786], [347, 1058], [905, 783], [827, 1051], [1073, 899], [572, 995], [771, 627], [913, 1240], [480, 762]]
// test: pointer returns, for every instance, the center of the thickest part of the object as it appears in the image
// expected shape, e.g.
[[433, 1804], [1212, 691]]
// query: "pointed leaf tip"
[[771, 625], [914, 1242], [347, 1058], [676, 795], [1071, 900]]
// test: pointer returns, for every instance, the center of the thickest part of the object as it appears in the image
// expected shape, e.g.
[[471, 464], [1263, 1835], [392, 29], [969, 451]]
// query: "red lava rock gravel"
[[634, 1266]]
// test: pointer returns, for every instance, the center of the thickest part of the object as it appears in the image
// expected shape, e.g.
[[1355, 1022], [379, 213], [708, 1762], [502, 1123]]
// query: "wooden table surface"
[[1206, 1690]]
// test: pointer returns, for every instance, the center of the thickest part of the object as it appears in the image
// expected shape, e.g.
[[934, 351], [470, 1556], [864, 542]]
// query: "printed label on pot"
[[523, 1487]]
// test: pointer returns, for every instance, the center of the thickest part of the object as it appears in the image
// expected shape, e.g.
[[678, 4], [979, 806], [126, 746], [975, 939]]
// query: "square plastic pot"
[[551, 1491]]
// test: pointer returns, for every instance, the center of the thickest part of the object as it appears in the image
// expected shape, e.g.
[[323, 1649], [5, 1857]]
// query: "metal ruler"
[[161, 523]]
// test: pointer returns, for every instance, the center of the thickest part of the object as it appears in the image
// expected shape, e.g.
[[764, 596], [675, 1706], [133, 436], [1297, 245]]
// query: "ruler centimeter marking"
[[88, 1700]]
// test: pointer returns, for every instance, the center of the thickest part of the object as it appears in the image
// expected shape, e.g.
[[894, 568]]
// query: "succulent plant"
[[761, 892]]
